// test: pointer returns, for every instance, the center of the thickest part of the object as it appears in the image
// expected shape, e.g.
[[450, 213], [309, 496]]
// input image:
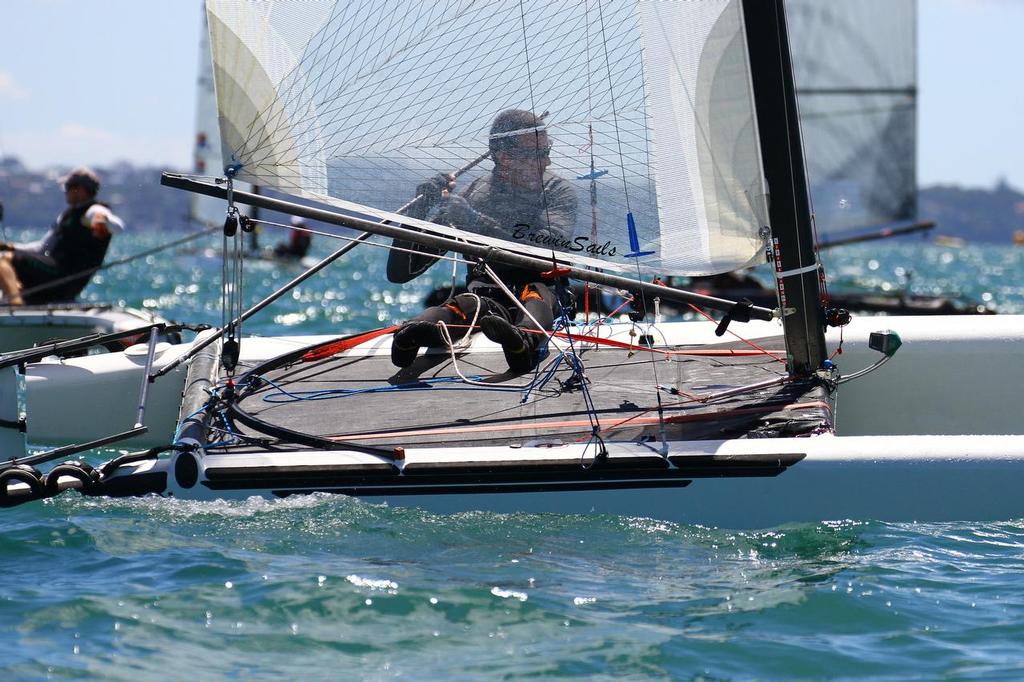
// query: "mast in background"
[[789, 208]]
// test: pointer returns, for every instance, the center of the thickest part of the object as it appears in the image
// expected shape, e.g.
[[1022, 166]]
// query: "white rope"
[[467, 338], [446, 336]]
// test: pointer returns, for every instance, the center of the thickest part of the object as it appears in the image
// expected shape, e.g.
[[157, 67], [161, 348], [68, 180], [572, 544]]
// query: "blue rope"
[[574, 361], [177, 432]]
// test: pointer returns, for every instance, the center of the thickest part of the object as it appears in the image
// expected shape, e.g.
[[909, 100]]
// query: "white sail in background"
[[855, 65], [206, 150], [357, 103]]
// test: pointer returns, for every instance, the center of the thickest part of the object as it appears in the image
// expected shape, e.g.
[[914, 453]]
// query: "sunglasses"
[[533, 153]]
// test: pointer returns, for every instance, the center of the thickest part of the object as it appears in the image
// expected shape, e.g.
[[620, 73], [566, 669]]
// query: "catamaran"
[[677, 122]]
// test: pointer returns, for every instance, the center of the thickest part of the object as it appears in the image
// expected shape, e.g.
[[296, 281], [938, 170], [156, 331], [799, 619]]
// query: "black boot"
[[514, 341], [408, 340]]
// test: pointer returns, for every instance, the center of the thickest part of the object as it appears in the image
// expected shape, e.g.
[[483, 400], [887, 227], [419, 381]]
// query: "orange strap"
[[530, 293], [456, 309], [346, 343]]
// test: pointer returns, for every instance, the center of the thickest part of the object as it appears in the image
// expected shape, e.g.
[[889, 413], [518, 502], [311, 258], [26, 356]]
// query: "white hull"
[[904, 478], [25, 326], [83, 399]]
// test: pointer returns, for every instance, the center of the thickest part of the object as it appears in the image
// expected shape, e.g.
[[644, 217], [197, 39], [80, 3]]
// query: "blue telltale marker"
[[593, 175], [634, 240]]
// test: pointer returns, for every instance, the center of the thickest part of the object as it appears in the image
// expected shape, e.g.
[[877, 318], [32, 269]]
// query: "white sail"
[[649, 112], [206, 149], [855, 65]]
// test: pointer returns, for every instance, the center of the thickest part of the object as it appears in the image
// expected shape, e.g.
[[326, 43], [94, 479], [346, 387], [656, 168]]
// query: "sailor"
[[298, 241], [519, 201], [57, 267]]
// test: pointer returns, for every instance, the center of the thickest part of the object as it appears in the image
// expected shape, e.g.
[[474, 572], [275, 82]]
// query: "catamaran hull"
[[735, 484], [950, 379], [83, 399]]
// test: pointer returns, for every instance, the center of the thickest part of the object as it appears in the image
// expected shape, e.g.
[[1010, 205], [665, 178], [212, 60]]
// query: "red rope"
[[351, 342], [746, 341]]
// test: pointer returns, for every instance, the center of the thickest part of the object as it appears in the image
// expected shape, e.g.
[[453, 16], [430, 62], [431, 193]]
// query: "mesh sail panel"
[[646, 112], [701, 101], [855, 68]]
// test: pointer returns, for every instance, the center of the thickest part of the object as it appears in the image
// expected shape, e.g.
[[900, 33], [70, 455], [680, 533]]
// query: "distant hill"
[[32, 198], [977, 215]]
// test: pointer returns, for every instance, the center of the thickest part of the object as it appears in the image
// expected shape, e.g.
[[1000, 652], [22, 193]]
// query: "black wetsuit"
[[536, 218], [68, 248]]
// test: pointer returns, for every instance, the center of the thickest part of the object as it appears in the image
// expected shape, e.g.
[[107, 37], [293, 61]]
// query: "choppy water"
[[326, 587]]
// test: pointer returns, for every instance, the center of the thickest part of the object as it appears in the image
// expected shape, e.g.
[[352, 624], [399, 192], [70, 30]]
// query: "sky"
[[97, 81]]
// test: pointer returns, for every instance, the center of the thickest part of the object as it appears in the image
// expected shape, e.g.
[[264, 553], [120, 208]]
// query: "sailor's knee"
[[464, 305], [7, 265]]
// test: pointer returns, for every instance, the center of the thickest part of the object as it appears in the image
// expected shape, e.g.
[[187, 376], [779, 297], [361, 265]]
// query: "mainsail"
[[649, 109], [856, 76]]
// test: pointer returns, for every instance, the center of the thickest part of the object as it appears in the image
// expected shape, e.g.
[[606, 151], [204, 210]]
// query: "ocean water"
[[327, 587]]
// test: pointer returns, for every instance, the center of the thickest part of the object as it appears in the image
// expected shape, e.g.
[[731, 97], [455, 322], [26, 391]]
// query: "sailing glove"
[[431, 190]]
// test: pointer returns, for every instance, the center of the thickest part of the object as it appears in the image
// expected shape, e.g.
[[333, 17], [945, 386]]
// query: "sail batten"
[[358, 108]]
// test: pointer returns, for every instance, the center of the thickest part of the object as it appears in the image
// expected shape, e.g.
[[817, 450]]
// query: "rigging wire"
[[629, 211], [746, 341], [576, 364]]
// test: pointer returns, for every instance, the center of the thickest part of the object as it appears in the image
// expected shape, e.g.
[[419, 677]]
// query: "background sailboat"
[[206, 148], [24, 326], [855, 64]]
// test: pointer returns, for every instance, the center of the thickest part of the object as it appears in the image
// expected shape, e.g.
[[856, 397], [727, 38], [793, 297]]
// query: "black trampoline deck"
[[365, 401]]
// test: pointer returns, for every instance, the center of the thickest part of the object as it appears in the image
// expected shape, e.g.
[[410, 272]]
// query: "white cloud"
[[9, 88], [77, 133]]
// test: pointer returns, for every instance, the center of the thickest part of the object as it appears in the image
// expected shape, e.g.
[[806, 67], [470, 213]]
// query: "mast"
[[789, 207]]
